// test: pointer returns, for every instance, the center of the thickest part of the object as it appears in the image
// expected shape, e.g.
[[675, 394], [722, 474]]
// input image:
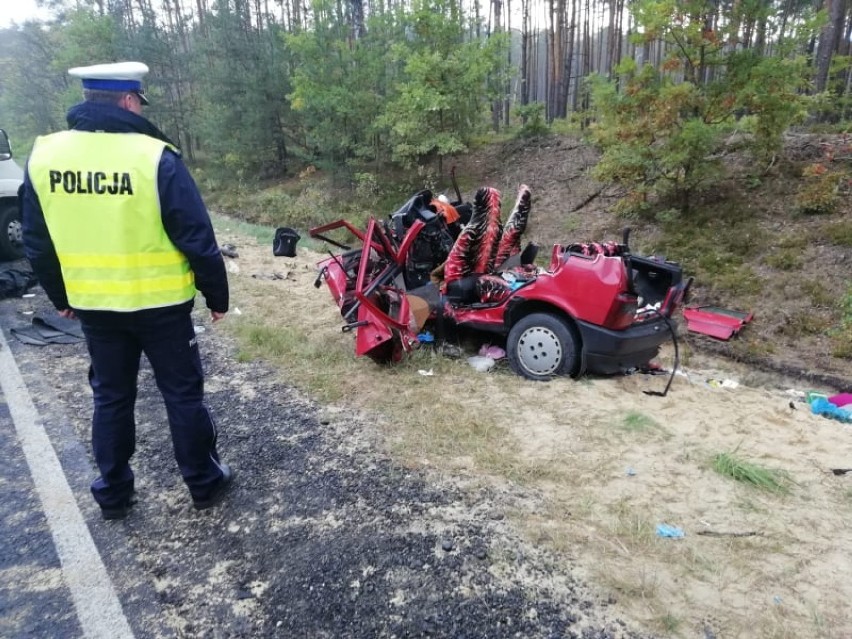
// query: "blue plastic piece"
[[821, 406], [673, 532]]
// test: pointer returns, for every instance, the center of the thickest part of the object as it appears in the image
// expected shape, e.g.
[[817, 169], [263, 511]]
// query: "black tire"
[[11, 242], [541, 346]]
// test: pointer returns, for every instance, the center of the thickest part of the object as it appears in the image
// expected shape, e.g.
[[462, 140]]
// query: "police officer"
[[117, 233]]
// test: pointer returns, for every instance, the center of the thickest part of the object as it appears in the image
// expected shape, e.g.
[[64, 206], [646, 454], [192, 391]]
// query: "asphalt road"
[[323, 536]]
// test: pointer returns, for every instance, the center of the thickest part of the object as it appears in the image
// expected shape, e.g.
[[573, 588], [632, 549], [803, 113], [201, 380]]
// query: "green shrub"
[[659, 126], [533, 123], [820, 194], [366, 185]]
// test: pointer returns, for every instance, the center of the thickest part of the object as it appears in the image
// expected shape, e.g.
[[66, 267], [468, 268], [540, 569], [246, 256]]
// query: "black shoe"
[[119, 512], [219, 491]]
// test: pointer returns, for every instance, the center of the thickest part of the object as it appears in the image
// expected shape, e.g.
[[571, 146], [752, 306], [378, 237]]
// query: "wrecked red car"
[[594, 307]]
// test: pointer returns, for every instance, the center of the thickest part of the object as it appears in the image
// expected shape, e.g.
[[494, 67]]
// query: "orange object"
[[447, 210]]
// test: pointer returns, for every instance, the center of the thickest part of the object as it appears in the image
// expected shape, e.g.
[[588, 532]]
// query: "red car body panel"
[[599, 294]]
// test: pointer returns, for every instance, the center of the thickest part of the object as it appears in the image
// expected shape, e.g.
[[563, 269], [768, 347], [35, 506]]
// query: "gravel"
[[323, 535]]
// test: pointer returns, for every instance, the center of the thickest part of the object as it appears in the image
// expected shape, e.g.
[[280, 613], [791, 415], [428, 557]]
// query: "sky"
[[18, 11]]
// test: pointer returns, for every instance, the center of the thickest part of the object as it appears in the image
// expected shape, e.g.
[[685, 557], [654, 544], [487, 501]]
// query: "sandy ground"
[[323, 535], [603, 464]]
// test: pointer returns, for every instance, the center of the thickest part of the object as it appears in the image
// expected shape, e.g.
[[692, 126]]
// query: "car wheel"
[[541, 346], [11, 238]]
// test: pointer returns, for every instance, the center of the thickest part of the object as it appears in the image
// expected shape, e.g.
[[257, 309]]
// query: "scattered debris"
[[723, 533], [652, 368], [481, 364], [271, 276], [47, 328], [426, 373], [821, 406], [494, 352], [723, 383], [452, 351], [841, 471], [716, 322], [284, 243], [229, 250], [671, 532], [842, 400], [15, 282]]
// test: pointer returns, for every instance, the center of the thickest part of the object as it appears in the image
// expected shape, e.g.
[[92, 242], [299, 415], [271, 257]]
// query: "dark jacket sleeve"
[[38, 247], [188, 226]]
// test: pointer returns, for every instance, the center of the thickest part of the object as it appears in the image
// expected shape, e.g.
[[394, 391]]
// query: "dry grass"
[[570, 447]]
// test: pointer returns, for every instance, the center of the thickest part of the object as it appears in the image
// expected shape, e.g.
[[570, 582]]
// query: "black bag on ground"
[[284, 243]]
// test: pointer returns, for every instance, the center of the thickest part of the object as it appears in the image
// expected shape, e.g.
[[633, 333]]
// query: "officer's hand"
[[216, 316], [67, 313]]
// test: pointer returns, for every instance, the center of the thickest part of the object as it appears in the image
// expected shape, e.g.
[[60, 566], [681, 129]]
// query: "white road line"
[[95, 600]]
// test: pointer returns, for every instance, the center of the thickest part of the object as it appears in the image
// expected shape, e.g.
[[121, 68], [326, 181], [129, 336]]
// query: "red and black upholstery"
[[609, 249], [510, 241], [476, 246]]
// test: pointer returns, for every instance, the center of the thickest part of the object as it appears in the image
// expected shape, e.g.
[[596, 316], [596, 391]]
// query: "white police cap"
[[116, 76]]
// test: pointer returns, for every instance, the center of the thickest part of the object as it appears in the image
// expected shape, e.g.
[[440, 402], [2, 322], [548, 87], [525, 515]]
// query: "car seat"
[[476, 246], [510, 239]]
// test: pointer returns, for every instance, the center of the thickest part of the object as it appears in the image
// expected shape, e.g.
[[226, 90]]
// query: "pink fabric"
[[841, 400]]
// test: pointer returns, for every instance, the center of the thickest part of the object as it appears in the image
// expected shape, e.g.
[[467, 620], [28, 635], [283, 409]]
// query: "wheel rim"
[[540, 351], [15, 233]]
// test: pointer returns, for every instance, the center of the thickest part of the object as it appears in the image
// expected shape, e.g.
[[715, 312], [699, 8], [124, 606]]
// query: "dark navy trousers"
[[167, 337]]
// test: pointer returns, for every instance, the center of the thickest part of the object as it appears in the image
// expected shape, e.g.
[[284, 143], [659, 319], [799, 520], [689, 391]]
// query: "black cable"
[[676, 358]]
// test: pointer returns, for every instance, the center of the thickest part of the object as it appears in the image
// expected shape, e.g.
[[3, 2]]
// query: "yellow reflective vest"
[[98, 192]]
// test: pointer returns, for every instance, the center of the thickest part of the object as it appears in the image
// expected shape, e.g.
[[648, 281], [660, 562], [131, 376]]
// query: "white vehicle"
[[11, 178]]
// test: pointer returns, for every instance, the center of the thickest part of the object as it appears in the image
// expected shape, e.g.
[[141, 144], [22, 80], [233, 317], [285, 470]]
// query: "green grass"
[[260, 232], [785, 259], [638, 422], [297, 203], [738, 280], [806, 322], [841, 342], [730, 465], [280, 344], [669, 623], [818, 293], [839, 233], [720, 255]]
